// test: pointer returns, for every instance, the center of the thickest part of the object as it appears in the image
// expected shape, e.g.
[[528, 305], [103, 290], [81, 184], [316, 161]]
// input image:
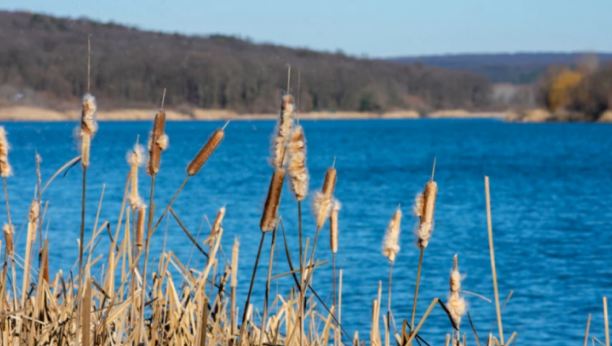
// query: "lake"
[[551, 194]]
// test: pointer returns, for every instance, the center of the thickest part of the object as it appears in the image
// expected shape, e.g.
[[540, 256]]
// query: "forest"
[[43, 62]]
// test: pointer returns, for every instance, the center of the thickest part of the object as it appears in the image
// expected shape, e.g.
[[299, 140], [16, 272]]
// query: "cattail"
[[135, 159], [33, 221], [5, 168], [8, 237], [323, 200], [45, 265], [456, 304], [390, 246], [142, 211], [205, 152], [333, 226], [283, 130], [234, 281], [158, 142], [89, 127], [424, 209], [296, 152], [268, 218]]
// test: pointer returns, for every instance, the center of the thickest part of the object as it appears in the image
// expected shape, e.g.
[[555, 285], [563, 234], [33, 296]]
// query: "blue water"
[[551, 193]]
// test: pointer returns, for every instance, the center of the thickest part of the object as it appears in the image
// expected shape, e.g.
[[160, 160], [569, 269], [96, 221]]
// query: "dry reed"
[[8, 239], [323, 199], [140, 225], [390, 246], [333, 226]]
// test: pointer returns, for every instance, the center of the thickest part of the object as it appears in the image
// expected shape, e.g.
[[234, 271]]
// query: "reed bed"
[[124, 304]]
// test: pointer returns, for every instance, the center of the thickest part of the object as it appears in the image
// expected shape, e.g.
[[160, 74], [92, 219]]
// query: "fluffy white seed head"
[[5, 168], [282, 132], [296, 153], [456, 304], [390, 246], [322, 205]]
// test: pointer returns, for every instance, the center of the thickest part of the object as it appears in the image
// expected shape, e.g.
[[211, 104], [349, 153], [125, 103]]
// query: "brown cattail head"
[[44, 264], [296, 152], [8, 238], [268, 218], [235, 249], [140, 226], [456, 304], [283, 131], [333, 226], [329, 184], [390, 246], [5, 168], [426, 204], [135, 159], [205, 152], [158, 142], [33, 220]]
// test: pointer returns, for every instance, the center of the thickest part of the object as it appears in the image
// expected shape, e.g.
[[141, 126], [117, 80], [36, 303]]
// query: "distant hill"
[[519, 68], [43, 62]]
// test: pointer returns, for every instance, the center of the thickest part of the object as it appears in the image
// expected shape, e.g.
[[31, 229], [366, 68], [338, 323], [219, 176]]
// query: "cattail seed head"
[[158, 141], [88, 115], [89, 127], [204, 153], [33, 220], [5, 168], [427, 201], [268, 218], [135, 159], [322, 204], [283, 130], [8, 238], [44, 265], [235, 250], [456, 304], [297, 163], [333, 226], [390, 246], [140, 225], [329, 184]]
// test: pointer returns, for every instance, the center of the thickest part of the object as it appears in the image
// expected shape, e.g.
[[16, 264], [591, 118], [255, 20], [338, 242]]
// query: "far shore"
[[28, 113]]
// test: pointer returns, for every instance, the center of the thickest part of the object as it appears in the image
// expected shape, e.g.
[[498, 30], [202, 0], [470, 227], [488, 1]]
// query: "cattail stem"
[[389, 300], [267, 293], [147, 243], [301, 317], [8, 213], [416, 290], [246, 305], [81, 243]]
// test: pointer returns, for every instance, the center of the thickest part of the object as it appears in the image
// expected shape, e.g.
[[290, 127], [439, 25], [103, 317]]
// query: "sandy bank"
[[27, 113]]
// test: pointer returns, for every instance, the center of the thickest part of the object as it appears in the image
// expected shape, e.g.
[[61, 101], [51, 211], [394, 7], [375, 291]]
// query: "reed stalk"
[[492, 254]]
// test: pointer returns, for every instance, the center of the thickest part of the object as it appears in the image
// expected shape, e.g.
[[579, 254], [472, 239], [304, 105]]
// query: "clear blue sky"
[[376, 28]]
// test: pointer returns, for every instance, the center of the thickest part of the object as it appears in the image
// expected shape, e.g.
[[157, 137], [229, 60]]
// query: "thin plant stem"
[[416, 289], [267, 293], [147, 243], [246, 305], [301, 316], [389, 301], [492, 252], [8, 211]]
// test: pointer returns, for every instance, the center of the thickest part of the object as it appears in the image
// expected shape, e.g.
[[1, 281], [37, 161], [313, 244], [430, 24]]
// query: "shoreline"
[[29, 113]]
